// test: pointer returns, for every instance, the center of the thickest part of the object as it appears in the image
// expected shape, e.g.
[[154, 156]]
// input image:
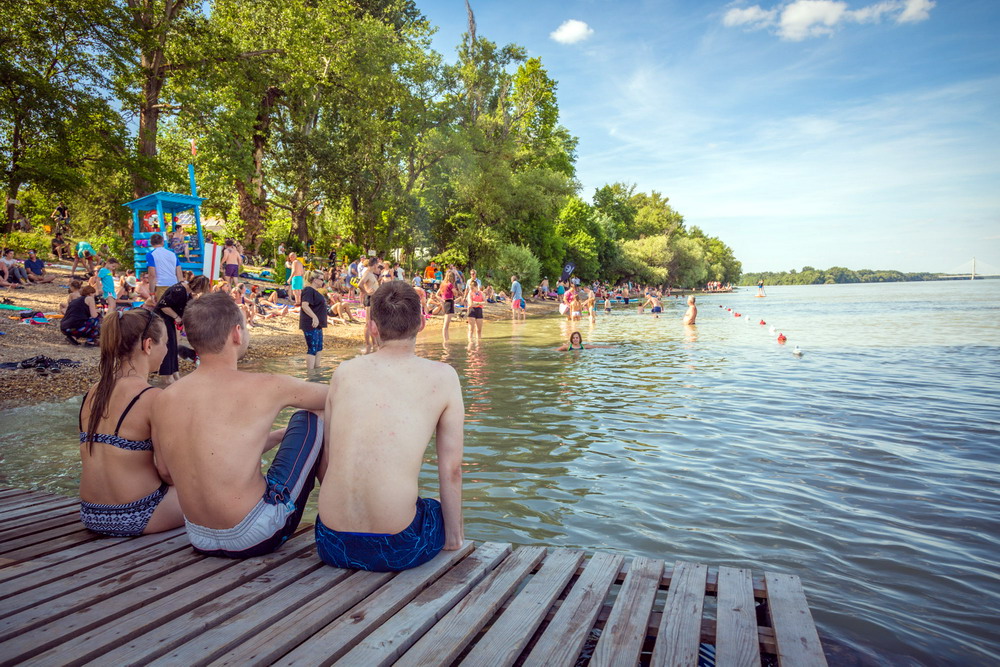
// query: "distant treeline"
[[834, 275]]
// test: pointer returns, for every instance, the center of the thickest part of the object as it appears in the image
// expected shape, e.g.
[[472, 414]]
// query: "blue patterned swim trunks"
[[380, 552]]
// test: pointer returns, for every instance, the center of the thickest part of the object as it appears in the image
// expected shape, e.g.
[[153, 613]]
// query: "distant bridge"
[[970, 271]]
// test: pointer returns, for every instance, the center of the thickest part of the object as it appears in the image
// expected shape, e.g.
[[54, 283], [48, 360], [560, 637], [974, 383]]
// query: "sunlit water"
[[869, 466]]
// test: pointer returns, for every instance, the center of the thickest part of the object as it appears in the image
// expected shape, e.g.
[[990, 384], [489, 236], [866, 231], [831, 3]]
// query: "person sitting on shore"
[[81, 319], [371, 515], [212, 426], [122, 491], [15, 272], [692, 312], [35, 268], [576, 343], [60, 247], [339, 307], [74, 292]]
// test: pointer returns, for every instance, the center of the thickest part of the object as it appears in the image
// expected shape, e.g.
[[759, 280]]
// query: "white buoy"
[[797, 352], [772, 330]]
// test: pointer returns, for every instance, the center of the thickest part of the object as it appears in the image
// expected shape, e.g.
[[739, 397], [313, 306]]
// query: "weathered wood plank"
[[27, 498], [22, 523], [627, 626], [680, 629], [38, 524], [162, 638], [15, 569], [51, 546], [448, 638], [736, 619], [8, 493], [388, 641], [43, 506], [44, 586], [276, 641], [14, 543], [342, 634], [248, 625], [96, 641], [503, 643], [562, 640], [794, 629]]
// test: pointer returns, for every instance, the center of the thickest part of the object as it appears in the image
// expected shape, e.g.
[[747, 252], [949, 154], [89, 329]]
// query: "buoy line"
[[781, 338]]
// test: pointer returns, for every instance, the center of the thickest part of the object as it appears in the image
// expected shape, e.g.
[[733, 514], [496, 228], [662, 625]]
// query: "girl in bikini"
[[474, 300], [123, 492]]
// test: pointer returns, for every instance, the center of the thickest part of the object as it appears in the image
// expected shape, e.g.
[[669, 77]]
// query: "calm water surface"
[[869, 466]]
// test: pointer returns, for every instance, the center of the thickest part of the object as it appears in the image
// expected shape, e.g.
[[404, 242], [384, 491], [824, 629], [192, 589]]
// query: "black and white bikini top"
[[116, 440]]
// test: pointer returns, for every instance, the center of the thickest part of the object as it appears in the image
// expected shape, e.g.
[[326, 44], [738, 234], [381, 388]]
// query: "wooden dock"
[[69, 597]]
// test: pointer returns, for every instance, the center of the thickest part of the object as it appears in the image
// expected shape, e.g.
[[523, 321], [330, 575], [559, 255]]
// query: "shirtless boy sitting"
[[370, 514], [211, 428], [692, 311]]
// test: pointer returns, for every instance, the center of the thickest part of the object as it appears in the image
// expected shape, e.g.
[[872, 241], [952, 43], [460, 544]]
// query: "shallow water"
[[869, 466]]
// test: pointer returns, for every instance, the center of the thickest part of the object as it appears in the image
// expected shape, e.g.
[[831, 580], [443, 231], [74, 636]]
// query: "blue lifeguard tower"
[[172, 204]]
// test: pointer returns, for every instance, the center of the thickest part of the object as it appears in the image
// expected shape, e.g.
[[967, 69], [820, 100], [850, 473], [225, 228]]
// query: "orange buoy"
[[762, 323], [782, 338]]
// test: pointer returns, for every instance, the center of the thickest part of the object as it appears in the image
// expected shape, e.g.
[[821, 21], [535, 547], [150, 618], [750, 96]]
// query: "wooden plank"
[[26, 498], [626, 628], [46, 585], [9, 493], [680, 628], [38, 524], [449, 637], [162, 638], [794, 630], [15, 569], [736, 619], [52, 533], [299, 625], [88, 644], [248, 624], [342, 634], [51, 546], [563, 638], [8, 525], [503, 643], [387, 642], [43, 506], [115, 596]]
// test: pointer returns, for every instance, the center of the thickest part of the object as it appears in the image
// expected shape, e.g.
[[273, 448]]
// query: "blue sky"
[[863, 133]]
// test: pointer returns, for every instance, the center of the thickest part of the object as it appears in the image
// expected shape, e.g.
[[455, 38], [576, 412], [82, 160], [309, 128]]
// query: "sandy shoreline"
[[272, 338]]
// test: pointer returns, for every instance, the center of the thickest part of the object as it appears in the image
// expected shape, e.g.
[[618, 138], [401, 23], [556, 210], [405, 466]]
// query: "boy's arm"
[[301, 394], [450, 442]]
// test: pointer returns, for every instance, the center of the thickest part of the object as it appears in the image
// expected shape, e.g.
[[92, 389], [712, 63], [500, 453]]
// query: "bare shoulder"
[[438, 369]]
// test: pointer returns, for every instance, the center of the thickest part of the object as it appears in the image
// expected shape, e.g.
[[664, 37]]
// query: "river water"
[[869, 466]]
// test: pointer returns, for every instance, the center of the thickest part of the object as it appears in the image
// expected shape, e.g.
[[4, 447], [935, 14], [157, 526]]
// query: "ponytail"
[[120, 333]]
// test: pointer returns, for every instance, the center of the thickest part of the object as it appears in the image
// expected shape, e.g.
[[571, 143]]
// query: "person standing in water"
[[313, 318], [447, 293], [760, 287], [474, 300], [517, 305], [692, 311], [654, 303]]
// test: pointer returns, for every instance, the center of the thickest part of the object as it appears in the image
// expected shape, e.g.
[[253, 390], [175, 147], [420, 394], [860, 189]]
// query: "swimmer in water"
[[654, 304], [576, 343], [692, 311], [607, 305]]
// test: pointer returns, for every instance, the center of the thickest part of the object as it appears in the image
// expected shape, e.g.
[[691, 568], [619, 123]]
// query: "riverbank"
[[270, 339]]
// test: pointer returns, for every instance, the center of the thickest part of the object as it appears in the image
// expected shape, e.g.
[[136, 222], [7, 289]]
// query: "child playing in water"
[[692, 311], [576, 343], [654, 303], [371, 514]]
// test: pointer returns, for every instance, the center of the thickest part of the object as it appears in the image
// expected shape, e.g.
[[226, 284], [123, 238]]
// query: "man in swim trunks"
[[692, 311], [231, 262], [211, 428], [654, 302], [371, 515], [297, 277], [517, 305]]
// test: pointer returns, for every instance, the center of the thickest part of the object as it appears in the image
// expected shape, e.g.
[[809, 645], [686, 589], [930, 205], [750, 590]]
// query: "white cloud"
[[916, 10], [800, 19], [755, 17], [571, 32]]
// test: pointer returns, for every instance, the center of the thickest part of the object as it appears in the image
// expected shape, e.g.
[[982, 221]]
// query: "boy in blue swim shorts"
[[371, 513]]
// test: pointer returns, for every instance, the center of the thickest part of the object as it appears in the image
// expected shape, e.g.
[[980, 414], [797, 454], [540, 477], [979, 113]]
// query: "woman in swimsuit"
[[474, 300], [447, 295], [576, 343], [123, 492]]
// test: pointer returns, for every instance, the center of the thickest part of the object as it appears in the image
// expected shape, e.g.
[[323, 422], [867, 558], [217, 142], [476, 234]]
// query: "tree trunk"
[[252, 197]]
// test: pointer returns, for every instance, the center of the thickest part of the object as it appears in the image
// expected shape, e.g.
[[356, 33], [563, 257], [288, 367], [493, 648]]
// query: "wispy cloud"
[[571, 32], [798, 20]]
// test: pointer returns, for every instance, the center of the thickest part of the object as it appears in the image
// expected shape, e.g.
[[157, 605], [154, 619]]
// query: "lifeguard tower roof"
[[169, 202]]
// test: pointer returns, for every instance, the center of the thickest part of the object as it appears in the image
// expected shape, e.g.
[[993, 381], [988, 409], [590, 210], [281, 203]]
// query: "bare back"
[[211, 428], [377, 434]]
